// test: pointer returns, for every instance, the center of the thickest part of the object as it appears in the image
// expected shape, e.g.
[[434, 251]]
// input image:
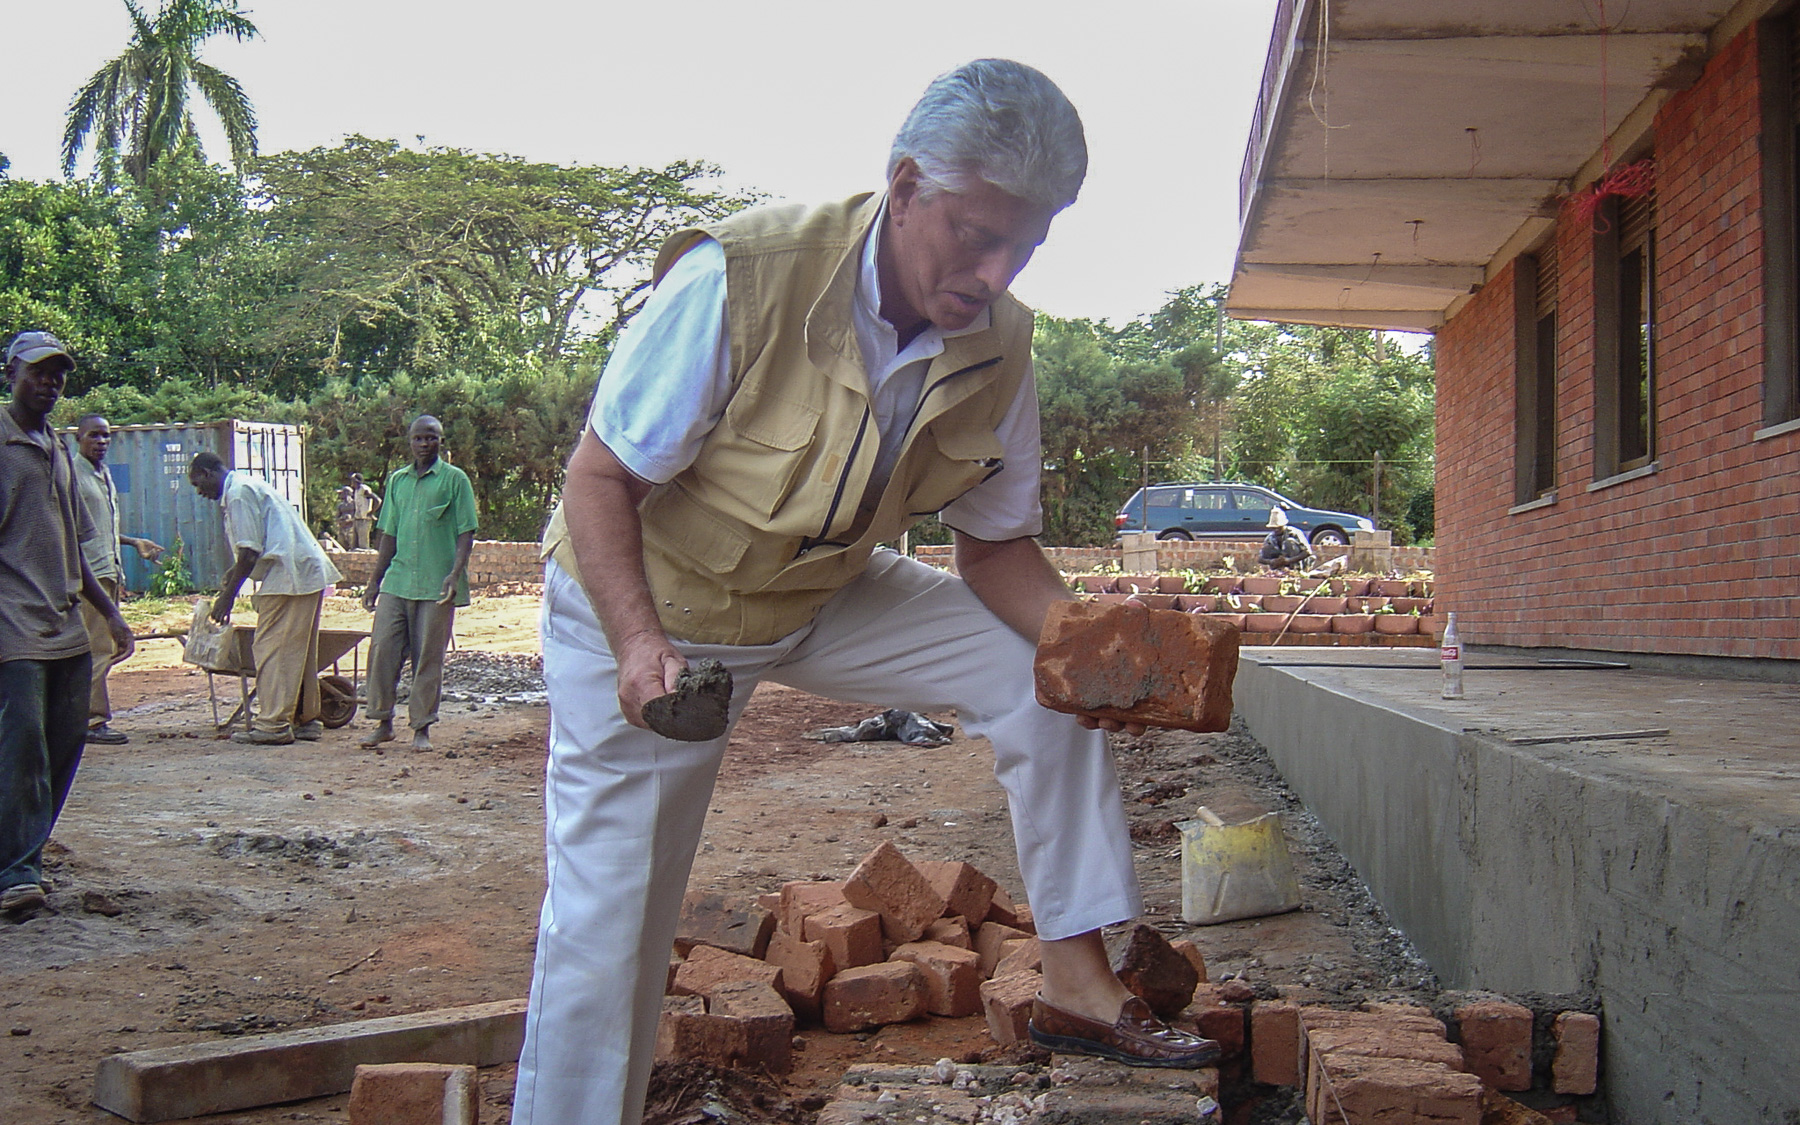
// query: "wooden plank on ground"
[[168, 1083]]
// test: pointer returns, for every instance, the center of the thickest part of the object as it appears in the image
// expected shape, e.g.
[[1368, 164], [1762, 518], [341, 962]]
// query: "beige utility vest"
[[777, 513]]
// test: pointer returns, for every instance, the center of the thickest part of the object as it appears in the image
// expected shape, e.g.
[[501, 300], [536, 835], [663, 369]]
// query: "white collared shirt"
[[668, 382], [258, 517]]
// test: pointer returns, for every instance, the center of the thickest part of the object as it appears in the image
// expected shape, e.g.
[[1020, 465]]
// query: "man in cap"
[[44, 660], [804, 385], [275, 548], [424, 536], [93, 436]]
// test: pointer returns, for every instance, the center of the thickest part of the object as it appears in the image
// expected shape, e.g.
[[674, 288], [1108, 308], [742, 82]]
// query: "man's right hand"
[[648, 667], [370, 595], [221, 609]]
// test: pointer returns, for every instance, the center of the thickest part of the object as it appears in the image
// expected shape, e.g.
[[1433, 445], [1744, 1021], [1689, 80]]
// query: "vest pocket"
[[674, 522], [951, 464], [759, 450]]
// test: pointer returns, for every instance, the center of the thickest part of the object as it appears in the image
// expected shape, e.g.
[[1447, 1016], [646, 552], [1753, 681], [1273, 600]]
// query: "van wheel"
[[1329, 537], [1175, 533]]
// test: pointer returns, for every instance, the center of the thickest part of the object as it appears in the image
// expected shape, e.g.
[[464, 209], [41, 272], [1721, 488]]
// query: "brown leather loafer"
[[1137, 1039]]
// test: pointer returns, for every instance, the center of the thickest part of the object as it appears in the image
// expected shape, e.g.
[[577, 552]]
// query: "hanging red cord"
[[1632, 180]]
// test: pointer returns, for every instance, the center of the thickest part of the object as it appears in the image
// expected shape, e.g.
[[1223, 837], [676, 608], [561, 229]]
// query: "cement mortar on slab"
[[1661, 872]]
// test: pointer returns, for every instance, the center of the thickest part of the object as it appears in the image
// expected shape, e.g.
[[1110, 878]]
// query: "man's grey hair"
[[999, 122]]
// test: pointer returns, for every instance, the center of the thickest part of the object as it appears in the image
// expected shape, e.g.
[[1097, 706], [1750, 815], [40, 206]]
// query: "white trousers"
[[624, 808]]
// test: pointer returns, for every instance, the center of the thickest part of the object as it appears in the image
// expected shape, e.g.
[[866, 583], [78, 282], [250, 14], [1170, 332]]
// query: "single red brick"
[[1161, 667], [712, 919], [1192, 952], [1415, 1045], [1024, 919], [952, 976], [800, 900], [1001, 909], [805, 967], [1006, 1002], [873, 995], [706, 968], [890, 886], [951, 930], [1018, 956], [1496, 1039], [1275, 1042], [964, 889], [1576, 1069], [744, 1023], [414, 1094], [1145, 964], [988, 942], [1217, 1020], [853, 935], [1361, 1089], [772, 903]]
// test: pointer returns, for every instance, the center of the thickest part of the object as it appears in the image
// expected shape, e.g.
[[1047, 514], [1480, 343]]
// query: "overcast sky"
[[795, 98]]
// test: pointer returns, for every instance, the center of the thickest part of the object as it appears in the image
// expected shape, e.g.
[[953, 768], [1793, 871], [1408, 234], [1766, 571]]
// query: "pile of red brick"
[[894, 941], [1395, 1062]]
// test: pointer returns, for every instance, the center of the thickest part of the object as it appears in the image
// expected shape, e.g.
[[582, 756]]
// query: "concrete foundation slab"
[[175, 1082], [1659, 872]]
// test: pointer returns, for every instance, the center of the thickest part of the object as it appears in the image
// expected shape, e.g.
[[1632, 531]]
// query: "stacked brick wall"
[[1700, 556], [1173, 554], [491, 563]]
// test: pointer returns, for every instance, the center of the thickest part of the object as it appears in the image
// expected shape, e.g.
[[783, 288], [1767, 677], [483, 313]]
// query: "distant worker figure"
[[424, 536], [363, 506], [44, 661], [94, 484], [275, 548], [346, 515], [1284, 547]]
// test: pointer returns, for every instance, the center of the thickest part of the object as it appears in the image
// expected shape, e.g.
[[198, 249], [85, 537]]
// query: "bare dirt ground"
[[204, 889]]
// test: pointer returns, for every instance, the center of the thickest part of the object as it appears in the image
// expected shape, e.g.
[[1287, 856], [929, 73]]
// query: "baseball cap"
[[34, 346]]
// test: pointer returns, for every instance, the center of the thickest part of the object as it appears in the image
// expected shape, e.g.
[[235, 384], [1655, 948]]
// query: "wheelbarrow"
[[337, 694]]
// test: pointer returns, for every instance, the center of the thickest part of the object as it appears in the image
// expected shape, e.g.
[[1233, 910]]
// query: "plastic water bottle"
[[1451, 656]]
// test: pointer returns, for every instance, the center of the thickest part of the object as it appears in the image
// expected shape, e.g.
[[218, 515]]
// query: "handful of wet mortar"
[[698, 710]]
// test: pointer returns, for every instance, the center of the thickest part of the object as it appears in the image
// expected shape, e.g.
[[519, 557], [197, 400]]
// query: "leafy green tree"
[[437, 260], [139, 106]]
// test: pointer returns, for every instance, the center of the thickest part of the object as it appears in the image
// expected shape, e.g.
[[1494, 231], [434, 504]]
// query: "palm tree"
[[136, 108]]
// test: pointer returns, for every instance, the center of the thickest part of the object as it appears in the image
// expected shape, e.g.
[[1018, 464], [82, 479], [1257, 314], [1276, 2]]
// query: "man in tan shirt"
[[94, 484]]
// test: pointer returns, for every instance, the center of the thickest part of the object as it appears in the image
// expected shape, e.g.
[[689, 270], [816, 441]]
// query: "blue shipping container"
[[149, 467]]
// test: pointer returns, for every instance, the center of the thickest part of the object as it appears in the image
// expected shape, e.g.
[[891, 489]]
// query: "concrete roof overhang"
[[1400, 146]]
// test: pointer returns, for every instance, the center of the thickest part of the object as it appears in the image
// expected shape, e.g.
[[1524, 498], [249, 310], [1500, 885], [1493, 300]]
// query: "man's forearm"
[[1013, 579], [465, 543], [600, 505], [384, 556]]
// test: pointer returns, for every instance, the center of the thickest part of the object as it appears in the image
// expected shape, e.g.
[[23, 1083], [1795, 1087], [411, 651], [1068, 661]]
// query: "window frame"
[[1616, 370], [1535, 420]]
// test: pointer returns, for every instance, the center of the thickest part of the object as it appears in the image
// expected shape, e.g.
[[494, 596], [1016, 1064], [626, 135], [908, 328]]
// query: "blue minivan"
[[1215, 510]]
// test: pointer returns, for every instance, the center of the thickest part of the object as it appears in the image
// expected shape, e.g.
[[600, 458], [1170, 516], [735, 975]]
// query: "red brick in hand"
[[1159, 667]]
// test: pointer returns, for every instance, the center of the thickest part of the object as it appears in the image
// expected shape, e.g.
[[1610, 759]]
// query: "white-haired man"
[[804, 384]]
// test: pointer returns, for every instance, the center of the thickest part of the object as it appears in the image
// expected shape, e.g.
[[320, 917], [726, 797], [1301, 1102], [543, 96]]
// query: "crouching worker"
[[804, 384]]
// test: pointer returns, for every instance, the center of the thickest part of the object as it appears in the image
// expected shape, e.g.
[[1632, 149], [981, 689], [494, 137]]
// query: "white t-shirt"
[[668, 382]]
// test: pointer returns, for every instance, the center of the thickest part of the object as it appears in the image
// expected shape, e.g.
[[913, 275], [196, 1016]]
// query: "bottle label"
[[1450, 652]]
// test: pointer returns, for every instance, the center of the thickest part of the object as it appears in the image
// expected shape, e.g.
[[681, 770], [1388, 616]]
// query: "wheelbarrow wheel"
[[337, 701]]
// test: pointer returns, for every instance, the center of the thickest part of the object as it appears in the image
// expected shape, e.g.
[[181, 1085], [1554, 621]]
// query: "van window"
[[1207, 499], [1244, 498]]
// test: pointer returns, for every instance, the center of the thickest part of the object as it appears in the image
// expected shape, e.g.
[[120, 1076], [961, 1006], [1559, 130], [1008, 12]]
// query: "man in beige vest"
[[803, 385], [94, 484]]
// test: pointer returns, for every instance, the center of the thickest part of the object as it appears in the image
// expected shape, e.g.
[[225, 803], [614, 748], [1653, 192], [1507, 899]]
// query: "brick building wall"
[[492, 562], [1699, 557]]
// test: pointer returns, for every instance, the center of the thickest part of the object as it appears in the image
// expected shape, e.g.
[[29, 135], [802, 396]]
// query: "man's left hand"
[[448, 595], [221, 609], [147, 550], [123, 641]]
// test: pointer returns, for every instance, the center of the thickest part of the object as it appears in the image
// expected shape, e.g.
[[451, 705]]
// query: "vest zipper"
[[837, 497], [920, 408]]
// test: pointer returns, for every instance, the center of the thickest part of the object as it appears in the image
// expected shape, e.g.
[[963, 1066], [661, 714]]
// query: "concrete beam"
[[175, 1082]]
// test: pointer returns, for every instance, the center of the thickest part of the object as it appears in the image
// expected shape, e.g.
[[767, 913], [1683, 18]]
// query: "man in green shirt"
[[423, 537]]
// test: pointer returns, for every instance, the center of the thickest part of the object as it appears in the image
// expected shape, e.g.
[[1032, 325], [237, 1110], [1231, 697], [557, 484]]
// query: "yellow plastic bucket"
[[1231, 871]]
